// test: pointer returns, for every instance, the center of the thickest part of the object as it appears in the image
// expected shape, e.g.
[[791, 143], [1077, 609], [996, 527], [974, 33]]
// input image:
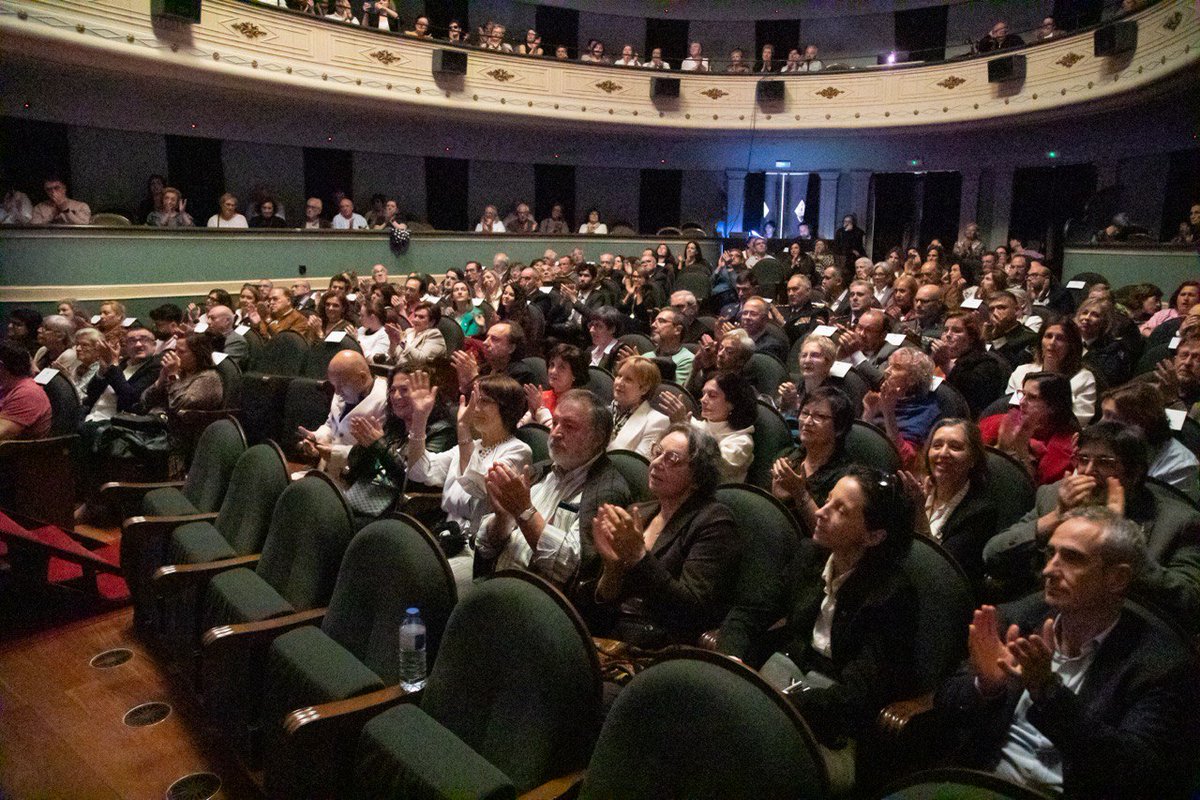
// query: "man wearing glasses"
[[1109, 469], [58, 209], [312, 215]]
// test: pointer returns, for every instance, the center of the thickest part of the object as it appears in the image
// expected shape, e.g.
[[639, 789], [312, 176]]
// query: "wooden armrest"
[[115, 492], [346, 712], [174, 577], [896, 716], [157, 526], [263, 629], [557, 787]]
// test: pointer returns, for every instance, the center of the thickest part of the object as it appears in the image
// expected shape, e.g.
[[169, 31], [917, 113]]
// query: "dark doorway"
[[659, 199], [754, 197], [327, 172], [31, 151], [669, 34], [783, 34], [1183, 191], [1072, 14], [194, 168], [894, 204], [812, 204], [557, 26], [921, 33], [941, 200], [446, 193], [1048, 200], [554, 183], [440, 14]]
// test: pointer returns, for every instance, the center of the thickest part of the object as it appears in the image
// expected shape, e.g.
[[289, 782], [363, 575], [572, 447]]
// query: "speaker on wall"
[[770, 91], [186, 10], [664, 87], [1008, 68], [1116, 39], [449, 62]]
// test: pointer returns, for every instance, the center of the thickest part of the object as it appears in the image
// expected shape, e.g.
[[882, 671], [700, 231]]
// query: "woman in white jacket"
[[636, 426], [727, 412]]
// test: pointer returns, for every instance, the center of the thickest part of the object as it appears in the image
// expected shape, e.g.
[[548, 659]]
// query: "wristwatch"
[[526, 515]]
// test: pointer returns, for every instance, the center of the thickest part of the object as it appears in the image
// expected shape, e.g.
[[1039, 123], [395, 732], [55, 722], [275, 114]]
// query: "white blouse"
[[1083, 389], [464, 495], [737, 448]]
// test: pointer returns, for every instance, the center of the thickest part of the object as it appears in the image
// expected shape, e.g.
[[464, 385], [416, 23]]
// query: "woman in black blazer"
[[954, 506], [668, 565]]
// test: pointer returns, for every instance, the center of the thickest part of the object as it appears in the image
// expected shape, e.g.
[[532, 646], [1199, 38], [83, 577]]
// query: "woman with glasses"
[[668, 566], [847, 648], [1040, 431], [804, 478]]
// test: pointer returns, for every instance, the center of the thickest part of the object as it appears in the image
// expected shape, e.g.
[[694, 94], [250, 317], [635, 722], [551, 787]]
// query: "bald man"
[[220, 323], [357, 393]]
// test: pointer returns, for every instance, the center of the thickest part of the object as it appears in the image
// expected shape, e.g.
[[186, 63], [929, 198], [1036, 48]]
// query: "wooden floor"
[[61, 730]]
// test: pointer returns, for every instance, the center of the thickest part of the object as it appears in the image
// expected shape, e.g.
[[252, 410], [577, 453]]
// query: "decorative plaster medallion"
[[385, 57], [249, 30], [608, 87], [714, 93], [830, 92], [1069, 60], [952, 82], [502, 75]]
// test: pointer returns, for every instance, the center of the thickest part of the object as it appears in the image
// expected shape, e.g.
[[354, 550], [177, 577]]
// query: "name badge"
[[241, 330], [476, 301], [352, 297], [335, 337], [825, 330], [95, 319], [47, 375], [895, 339], [545, 289], [128, 321], [1015, 400]]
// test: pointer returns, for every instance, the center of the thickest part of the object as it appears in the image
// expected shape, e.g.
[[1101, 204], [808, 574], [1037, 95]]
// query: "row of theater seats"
[[286, 622]]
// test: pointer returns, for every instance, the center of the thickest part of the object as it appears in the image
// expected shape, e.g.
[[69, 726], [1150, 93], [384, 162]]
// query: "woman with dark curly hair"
[[728, 406]]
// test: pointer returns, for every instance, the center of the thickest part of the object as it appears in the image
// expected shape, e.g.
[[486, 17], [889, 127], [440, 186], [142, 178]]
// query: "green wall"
[[1164, 267]]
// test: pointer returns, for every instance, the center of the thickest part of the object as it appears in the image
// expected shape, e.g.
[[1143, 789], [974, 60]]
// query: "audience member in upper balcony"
[[172, 213], [793, 63], [1140, 404], [454, 33], [636, 426], [595, 53], [532, 46], [312, 215], [495, 40], [979, 376], [55, 337], [1059, 349], [420, 29], [738, 62], [593, 224], [1005, 333], [561, 53], [381, 15], [342, 12], [228, 216], [998, 38], [347, 218], [695, 62], [58, 209], [490, 221], [152, 200], [628, 57], [24, 407], [266, 216], [905, 405], [766, 61], [1189, 229], [521, 220], [1047, 30], [1186, 296], [1081, 696], [555, 224], [811, 62], [16, 209], [656, 60], [187, 380], [542, 527]]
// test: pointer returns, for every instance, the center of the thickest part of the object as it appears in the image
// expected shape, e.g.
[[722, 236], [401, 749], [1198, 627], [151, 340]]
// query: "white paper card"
[[545, 289], [201, 327], [95, 319], [1175, 418], [46, 375], [1075, 284], [352, 297], [972, 303], [476, 301], [335, 337], [218, 357], [936, 382], [824, 330], [839, 369], [128, 321], [1015, 400], [1174, 345], [241, 330], [895, 339]]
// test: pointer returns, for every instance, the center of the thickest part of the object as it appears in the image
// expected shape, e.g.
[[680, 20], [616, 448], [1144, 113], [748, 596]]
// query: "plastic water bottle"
[[412, 651]]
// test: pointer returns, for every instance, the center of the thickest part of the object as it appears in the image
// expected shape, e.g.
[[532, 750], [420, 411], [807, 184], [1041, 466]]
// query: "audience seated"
[[1059, 349], [904, 405], [666, 331], [695, 61], [267, 216], [24, 406], [803, 479], [668, 565], [847, 648], [187, 379], [128, 378], [566, 369], [636, 426], [1140, 405], [232, 343], [58, 208], [727, 413], [544, 526], [228, 216], [998, 38], [1040, 431], [356, 393], [277, 315], [959, 354], [754, 315], [1072, 690], [173, 213], [1006, 336], [55, 337]]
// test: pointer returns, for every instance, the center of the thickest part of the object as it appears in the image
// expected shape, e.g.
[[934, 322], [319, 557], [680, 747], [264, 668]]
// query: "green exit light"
[[1051, 154]]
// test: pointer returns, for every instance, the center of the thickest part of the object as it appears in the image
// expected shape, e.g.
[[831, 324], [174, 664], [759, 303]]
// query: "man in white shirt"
[[695, 62], [546, 527], [347, 218], [357, 393], [490, 221], [656, 60], [811, 63]]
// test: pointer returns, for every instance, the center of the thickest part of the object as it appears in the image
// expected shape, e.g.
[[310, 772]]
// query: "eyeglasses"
[[672, 457], [1097, 462], [806, 414]]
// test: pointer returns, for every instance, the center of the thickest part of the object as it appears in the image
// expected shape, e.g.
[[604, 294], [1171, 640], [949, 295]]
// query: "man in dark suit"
[[582, 298], [132, 376], [866, 346], [502, 350], [1006, 336], [1072, 691], [801, 314], [767, 338], [1110, 469], [1045, 291], [540, 527]]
